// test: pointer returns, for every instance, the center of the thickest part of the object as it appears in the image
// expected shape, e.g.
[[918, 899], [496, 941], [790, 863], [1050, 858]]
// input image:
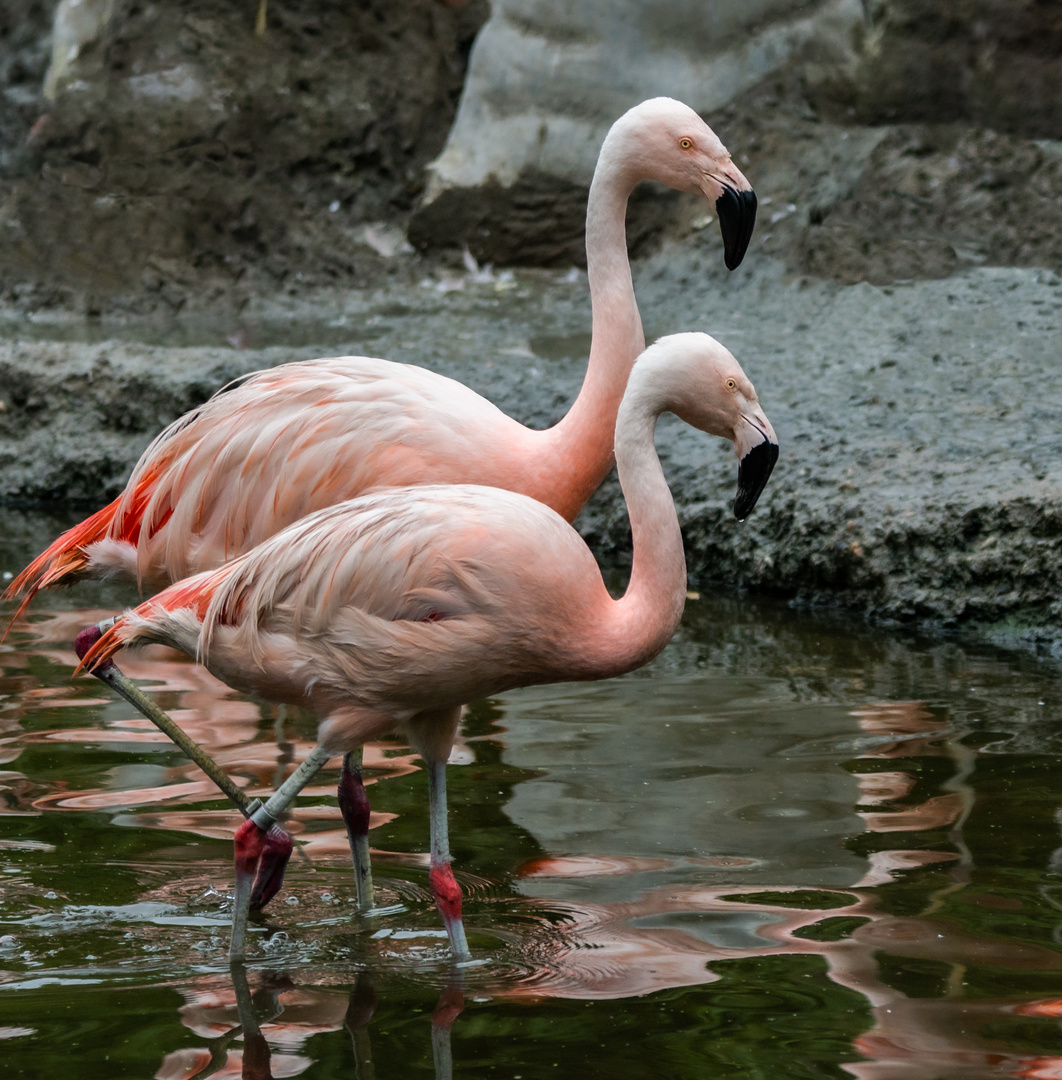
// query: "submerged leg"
[[278, 849], [444, 887], [256, 1054], [360, 1008], [354, 805], [254, 837], [449, 1007]]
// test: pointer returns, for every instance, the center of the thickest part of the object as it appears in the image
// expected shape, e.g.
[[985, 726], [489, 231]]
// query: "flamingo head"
[[700, 382], [668, 142]]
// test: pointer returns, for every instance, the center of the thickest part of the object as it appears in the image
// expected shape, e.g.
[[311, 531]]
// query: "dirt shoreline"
[[898, 309], [920, 479]]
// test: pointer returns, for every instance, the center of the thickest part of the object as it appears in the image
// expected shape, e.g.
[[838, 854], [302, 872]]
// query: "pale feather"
[[335, 609], [410, 602]]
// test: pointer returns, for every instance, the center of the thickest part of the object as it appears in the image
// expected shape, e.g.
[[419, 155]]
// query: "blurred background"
[[157, 151]]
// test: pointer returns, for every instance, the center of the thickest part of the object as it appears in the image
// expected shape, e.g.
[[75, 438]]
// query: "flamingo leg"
[[121, 684], [449, 1007], [256, 1053], [278, 847], [354, 805], [360, 1009], [253, 840], [444, 887]]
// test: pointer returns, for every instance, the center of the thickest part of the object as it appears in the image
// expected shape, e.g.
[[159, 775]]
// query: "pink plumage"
[[390, 611], [286, 442]]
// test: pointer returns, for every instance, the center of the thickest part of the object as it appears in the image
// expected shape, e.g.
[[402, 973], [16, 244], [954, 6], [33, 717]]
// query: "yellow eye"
[[731, 385], [686, 144]]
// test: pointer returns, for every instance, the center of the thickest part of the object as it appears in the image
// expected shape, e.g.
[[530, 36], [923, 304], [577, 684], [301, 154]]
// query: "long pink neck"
[[636, 627], [579, 447]]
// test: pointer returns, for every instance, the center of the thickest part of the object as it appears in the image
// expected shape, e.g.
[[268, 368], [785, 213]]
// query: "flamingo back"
[[275, 447], [399, 601]]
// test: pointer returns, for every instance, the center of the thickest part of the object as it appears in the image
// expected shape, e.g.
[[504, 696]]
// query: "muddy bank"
[[921, 470], [898, 308]]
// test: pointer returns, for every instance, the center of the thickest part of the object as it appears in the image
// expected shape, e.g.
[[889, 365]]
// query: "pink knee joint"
[[354, 804], [446, 891], [249, 843]]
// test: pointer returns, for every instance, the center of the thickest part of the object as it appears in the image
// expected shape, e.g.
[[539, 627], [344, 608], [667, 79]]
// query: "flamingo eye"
[[686, 144], [731, 385]]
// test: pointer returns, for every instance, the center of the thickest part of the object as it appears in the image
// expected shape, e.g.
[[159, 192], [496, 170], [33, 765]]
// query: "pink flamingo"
[[388, 612], [282, 443]]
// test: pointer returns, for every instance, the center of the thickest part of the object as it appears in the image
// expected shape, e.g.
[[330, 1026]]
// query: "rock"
[[175, 132], [991, 63], [897, 309], [545, 82], [933, 199], [921, 456], [77, 23]]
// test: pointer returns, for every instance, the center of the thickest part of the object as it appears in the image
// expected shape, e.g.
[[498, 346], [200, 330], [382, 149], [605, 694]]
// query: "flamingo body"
[[390, 611], [286, 442], [373, 610]]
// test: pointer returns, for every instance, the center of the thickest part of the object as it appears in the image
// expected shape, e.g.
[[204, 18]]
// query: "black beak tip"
[[736, 211], [754, 471]]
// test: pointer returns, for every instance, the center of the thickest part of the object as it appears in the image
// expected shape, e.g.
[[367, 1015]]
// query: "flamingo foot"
[[85, 640], [354, 805], [448, 1008], [362, 1003], [447, 895], [249, 843], [360, 1011], [276, 851]]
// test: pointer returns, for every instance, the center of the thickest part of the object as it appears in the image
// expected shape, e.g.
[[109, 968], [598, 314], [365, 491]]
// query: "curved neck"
[[640, 624], [582, 441]]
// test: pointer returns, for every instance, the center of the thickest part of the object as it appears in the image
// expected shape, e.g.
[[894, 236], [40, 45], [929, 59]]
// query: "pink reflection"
[[275, 1047], [274, 1022], [574, 866], [665, 938], [612, 952]]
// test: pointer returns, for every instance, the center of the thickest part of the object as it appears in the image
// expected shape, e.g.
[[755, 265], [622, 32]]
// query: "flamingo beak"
[[753, 473], [736, 211], [756, 463]]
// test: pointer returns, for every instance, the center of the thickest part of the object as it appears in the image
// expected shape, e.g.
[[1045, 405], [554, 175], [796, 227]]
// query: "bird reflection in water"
[[605, 952], [653, 942], [273, 1023]]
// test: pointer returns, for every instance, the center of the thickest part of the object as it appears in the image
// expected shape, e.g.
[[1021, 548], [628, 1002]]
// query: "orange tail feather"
[[194, 593], [63, 557]]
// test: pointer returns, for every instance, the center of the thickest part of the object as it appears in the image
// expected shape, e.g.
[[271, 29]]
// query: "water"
[[791, 847]]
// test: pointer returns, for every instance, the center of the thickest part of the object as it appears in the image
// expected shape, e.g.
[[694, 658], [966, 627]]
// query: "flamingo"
[[388, 612], [279, 444]]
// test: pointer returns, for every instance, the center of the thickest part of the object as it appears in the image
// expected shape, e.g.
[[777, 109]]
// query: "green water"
[[792, 847]]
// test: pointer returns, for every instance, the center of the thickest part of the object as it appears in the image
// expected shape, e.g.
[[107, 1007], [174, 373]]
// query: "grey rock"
[[920, 473], [546, 80]]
